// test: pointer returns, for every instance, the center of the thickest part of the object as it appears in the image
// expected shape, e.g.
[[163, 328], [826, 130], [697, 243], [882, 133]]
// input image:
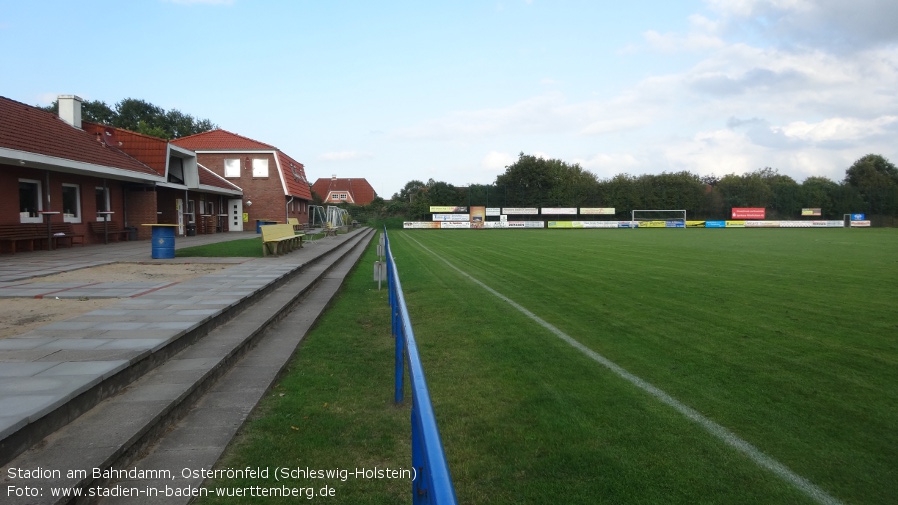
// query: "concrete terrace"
[[44, 369]]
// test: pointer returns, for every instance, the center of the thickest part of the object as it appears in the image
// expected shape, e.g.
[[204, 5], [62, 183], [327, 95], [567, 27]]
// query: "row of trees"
[[870, 186], [141, 117]]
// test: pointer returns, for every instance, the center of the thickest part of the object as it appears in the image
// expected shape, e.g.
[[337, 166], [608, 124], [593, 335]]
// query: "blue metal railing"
[[433, 484]]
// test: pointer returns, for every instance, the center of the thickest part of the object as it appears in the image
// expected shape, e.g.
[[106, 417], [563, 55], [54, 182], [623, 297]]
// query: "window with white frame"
[[191, 211], [30, 203], [339, 196], [103, 204], [71, 203], [232, 167], [260, 167]]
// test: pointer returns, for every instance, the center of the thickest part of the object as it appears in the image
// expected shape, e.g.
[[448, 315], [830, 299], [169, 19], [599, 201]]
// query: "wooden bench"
[[297, 226], [111, 227], [24, 233], [279, 239], [63, 231]]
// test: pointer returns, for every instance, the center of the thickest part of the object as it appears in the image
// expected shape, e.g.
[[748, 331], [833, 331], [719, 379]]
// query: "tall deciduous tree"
[[876, 179], [142, 117]]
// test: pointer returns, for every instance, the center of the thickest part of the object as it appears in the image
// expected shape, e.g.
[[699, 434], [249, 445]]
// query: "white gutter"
[[44, 162]]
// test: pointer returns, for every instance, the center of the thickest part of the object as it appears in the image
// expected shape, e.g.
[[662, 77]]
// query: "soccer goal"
[[660, 218]]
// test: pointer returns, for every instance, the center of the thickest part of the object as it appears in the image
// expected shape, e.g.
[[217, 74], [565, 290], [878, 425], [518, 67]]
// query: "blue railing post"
[[432, 483]]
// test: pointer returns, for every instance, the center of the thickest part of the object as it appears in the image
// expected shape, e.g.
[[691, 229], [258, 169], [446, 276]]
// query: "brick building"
[[64, 170], [274, 185], [344, 190]]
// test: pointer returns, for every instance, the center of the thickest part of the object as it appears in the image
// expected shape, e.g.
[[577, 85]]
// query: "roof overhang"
[[54, 164]]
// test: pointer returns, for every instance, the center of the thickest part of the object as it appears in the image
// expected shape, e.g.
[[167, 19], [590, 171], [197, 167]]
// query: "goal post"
[[659, 218]]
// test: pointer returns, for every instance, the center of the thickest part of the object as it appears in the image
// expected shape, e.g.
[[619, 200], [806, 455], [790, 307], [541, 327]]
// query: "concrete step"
[[118, 430]]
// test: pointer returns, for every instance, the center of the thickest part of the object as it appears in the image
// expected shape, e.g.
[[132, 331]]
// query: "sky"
[[396, 91]]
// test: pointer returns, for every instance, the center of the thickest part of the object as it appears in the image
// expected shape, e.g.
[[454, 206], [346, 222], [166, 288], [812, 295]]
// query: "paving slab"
[[150, 317]]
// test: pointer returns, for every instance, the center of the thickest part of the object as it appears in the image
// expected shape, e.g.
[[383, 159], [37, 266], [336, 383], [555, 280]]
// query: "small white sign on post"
[[380, 272]]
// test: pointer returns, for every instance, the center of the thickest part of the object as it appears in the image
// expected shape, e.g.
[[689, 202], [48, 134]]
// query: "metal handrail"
[[432, 483]]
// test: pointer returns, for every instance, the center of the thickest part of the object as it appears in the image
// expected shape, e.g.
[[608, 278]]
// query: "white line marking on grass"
[[713, 428]]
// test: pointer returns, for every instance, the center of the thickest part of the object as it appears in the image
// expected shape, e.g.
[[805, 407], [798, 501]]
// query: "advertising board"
[[420, 225], [493, 211], [715, 224], [749, 213], [735, 224], [695, 224], [860, 224], [596, 211], [451, 217], [811, 212], [858, 217], [526, 224], [439, 208], [762, 224], [567, 211], [478, 216], [520, 211], [450, 225]]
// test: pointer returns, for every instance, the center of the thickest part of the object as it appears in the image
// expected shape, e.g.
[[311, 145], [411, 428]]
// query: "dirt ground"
[[19, 315]]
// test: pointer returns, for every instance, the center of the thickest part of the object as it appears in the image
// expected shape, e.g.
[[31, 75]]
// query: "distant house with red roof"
[[274, 184], [344, 190], [76, 172]]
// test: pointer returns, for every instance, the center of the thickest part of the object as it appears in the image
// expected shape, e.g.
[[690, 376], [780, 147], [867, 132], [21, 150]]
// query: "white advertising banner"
[[520, 211], [796, 224], [526, 224], [762, 224], [567, 211], [451, 217], [419, 225], [600, 224], [597, 210], [860, 224], [493, 211], [447, 225]]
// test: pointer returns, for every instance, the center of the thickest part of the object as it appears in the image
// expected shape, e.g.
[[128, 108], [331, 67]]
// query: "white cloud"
[[840, 129], [833, 24]]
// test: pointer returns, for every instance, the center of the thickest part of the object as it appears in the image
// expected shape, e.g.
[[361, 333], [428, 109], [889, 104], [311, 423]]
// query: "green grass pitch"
[[787, 338]]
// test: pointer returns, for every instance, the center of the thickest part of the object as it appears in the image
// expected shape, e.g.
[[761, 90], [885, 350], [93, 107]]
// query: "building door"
[[235, 215]]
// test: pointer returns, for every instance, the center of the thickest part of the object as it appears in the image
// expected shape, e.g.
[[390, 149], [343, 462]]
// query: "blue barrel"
[[163, 242]]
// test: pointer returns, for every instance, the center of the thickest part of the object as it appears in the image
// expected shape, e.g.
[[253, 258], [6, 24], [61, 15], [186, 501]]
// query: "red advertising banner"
[[749, 212]]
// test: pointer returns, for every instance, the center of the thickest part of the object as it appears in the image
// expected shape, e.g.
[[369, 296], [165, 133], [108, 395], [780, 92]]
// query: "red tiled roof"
[[210, 178], [292, 172], [294, 177], [152, 151], [361, 192], [221, 140], [33, 130]]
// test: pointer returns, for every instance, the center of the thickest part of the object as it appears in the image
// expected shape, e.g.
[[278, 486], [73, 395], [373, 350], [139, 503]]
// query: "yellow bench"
[[297, 226], [279, 239]]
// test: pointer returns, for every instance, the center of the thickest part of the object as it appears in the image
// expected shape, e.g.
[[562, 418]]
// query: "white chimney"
[[70, 109]]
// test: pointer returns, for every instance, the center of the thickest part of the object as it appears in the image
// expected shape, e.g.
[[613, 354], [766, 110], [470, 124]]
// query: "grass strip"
[[333, 409]]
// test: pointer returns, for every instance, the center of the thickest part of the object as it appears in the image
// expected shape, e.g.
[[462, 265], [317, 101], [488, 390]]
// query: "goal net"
[[660, 218]]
